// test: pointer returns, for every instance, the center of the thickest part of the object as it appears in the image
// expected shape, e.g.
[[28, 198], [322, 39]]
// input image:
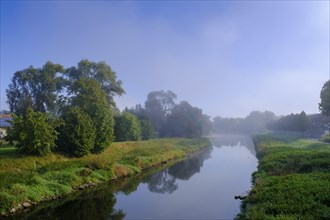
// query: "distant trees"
[[184, 121], [158, 106], [255, 122], [324, 105], [293, 122], [34, 133], [175, 120]]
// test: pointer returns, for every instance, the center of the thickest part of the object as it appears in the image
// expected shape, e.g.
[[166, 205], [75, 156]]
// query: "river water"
[[202, 186]]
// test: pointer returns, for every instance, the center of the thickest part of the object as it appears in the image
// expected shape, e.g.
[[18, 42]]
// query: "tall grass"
[[34, 179], [292, 181]]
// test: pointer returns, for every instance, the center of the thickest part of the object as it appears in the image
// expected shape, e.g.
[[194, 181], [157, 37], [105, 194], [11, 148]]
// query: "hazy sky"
[[226, 57]]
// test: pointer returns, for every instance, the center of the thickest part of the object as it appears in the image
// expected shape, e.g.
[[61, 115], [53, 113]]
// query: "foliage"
[[127, 127], [326, 138], [159, 105], [38, 178], [293, 122], [77, 133], [101, 73], [292, 181], [34, 133], [91, 99], [184, 121], [324, 105], [255, 122], [147, 131], [35, 88]]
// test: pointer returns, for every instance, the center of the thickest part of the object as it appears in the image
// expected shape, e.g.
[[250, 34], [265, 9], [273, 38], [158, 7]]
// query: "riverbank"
[[27, 180], [292, 181]]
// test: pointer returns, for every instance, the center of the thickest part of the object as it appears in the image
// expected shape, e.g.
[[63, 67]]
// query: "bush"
[[127, 127], [77, 134], [34, 133]]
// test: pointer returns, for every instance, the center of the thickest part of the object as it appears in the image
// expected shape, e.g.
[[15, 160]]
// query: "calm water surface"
[[202, 186]]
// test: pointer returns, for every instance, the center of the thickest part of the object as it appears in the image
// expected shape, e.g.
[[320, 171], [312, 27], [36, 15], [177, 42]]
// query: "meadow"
[[292, 181], [28, 180]]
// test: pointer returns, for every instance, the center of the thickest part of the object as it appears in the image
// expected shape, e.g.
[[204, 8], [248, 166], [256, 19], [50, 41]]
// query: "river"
[[202, 186]]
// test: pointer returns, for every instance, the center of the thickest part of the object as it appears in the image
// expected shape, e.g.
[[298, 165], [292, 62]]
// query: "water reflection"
[[165, 181], [95, 204], [198, 187], [234, 141]]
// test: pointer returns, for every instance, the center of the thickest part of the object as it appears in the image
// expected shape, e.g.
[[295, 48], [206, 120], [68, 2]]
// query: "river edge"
[[292, 180], [131, 158]]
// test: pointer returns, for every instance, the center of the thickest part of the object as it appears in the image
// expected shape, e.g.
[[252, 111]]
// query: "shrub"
[[77, 133], [34, 133], [127, 127]]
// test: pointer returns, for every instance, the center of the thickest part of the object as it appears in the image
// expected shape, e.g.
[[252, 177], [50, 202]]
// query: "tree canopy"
[[324, 105], [101, 73], [36, 88], [77, 133], [34, 133], [159, 105], [127, 127]]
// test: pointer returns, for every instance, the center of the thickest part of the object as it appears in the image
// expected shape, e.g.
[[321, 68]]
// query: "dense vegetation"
[[292, 181], [74, 111], [170, 119], [255, 122], [293, 122], [324, 105], [33, 179]]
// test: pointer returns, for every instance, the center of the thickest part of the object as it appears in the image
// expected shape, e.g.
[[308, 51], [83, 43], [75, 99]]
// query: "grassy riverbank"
[[27, 180], [292, 181]]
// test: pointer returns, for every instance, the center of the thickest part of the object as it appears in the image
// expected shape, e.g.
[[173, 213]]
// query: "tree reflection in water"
[[100, 203], [96, 204], [165, 181], [234, 141]]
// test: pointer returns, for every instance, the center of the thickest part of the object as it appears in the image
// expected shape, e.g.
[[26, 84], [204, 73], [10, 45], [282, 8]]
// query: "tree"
[[159, 105], [34, 133], [101, 73], [147, 131], [77, 133], [324, 105], [36, 88], [293, 122], [184, 121], [127, 127], [91, 99]]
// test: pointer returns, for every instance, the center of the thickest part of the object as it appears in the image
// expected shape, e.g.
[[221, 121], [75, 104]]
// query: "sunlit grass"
[[30, 178]]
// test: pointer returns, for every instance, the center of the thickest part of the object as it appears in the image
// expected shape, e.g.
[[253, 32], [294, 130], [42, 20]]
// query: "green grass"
[[34, 179], [292, 181]]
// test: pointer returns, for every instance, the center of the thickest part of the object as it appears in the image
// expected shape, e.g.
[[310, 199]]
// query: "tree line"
[[72, 111]]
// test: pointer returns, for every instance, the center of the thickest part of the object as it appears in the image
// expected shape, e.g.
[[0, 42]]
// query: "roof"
[[4, 122]]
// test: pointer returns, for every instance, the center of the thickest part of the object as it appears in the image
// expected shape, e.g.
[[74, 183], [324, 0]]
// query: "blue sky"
[[226, 57]]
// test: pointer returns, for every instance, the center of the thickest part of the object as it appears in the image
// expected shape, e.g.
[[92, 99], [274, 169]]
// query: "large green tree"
[[101, 73], [34, 133], [36, 88], [77, 133], [127, 127], [91, 99], [324, 105]]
